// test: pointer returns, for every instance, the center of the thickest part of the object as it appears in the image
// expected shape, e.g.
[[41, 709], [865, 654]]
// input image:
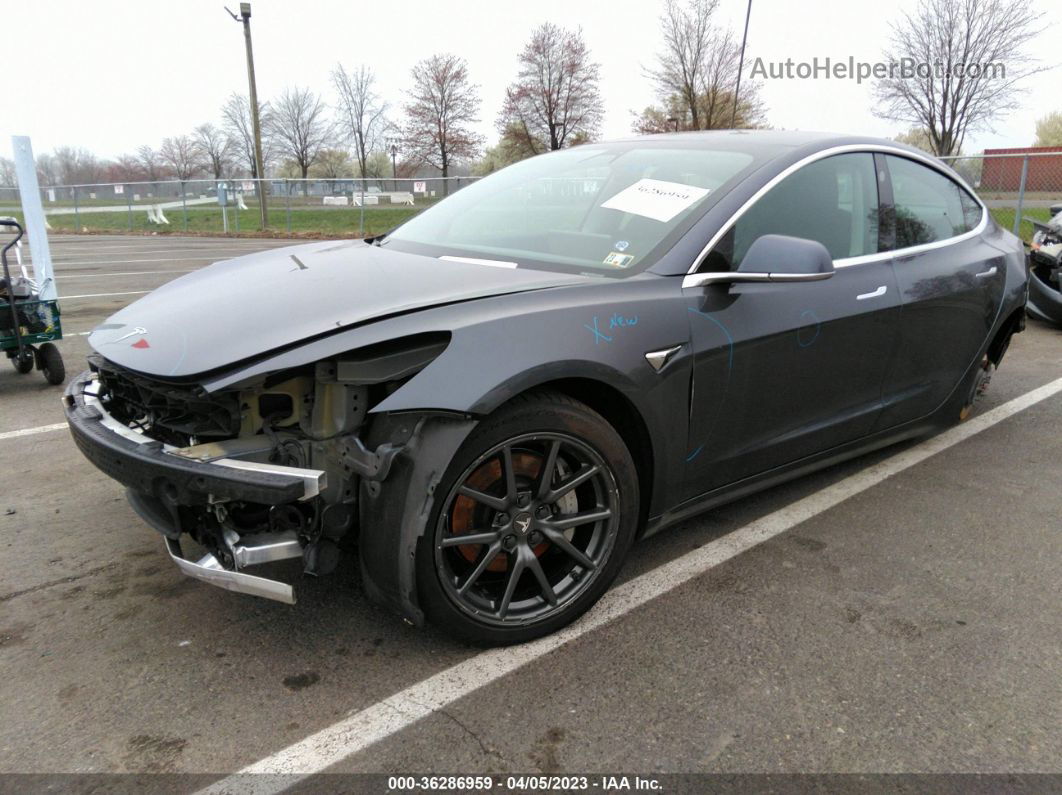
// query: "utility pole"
[[741, 64], [256, 123]]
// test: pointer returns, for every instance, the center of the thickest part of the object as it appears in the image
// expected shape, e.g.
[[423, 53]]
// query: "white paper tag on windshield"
[[655, 199]]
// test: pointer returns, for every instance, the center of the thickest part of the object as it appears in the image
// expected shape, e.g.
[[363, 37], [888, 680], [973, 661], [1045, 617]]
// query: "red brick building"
[[1004, 173]]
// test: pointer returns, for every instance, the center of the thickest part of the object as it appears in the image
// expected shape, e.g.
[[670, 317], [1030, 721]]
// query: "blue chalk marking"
[[812, 318], [729, 369], [598, 335], [619, 321], [729, 339]]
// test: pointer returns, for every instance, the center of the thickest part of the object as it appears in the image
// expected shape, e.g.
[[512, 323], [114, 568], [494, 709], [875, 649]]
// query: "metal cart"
[[29, 326]]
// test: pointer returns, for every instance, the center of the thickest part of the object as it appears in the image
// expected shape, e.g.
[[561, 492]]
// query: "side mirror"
[[774, 258]]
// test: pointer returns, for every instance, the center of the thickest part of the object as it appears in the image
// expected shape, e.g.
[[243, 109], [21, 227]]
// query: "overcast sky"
[[111, 75]]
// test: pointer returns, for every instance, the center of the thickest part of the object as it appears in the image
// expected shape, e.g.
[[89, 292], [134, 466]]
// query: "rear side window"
[[929, 205], [971, 210], [833, 201]]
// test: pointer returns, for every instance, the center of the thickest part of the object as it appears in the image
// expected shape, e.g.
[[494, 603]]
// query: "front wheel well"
[[622, 415]]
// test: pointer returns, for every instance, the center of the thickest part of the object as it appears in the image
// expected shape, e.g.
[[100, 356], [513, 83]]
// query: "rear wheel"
[[23, 364], [978, 387], [51, 363], [539, 509]]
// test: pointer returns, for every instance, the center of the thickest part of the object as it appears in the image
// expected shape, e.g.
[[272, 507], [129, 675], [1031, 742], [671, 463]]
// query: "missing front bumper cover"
[[160, 478], [150, 467]]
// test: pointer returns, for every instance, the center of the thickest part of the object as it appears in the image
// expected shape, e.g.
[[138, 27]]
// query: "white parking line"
[[162, 243], [251, 245], [362, 729], [31, 431], [157, 250], [204, 258], [60, 276], [101, 295]]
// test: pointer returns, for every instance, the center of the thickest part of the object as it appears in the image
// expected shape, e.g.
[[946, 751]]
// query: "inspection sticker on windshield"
[[618, 260], [656, 199]]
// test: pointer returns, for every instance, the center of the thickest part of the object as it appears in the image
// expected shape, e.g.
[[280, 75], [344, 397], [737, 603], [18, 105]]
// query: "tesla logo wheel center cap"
[[522, 523]]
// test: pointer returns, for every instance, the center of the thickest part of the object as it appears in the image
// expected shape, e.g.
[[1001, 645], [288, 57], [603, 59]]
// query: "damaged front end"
[[1045, 270], [269, 470]]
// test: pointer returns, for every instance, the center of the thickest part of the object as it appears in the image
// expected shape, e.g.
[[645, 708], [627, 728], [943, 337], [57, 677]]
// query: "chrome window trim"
[[846, 262]]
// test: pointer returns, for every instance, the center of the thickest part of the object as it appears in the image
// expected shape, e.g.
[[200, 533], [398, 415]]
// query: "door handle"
[[988, 273], [876, 294]]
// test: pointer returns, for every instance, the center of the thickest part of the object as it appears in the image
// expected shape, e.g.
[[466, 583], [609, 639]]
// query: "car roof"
[[762, 144]]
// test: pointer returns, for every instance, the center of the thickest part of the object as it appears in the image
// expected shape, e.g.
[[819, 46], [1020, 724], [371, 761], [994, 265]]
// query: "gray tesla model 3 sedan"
[[494, 400]]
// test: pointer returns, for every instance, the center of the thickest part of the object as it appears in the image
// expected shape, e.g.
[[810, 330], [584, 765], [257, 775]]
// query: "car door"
[[782, 371], [951, 285]]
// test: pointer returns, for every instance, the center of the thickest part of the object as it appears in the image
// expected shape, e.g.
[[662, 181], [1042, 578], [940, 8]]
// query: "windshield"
[[602, 208]]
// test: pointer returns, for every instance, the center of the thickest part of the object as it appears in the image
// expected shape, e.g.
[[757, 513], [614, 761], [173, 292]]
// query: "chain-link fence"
[[1018, 187], [330, 207]]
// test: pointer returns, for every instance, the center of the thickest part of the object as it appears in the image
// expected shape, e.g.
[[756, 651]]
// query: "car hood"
[[240, 308]]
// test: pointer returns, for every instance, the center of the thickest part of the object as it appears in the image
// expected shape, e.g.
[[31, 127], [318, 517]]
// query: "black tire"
[[22, 364], [551, 551], [51, 363]]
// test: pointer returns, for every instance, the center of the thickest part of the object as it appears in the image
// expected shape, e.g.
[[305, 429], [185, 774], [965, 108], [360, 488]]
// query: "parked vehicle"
[[1045, 269], [495, 399]]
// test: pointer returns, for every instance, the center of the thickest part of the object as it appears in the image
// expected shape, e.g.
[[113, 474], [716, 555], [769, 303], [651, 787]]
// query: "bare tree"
[[363, 116], [300, 128], [238, 126], [688, 34], [76, 165], [696, 74], [720, 86], [443, 104], [215, 148], [182, 155], [7, 172], [47, 170], [125, 168], [151, 162], [555, 96], [965, 62]]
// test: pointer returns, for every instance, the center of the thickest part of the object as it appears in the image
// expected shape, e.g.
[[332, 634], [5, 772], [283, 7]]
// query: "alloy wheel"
[[526, 528]]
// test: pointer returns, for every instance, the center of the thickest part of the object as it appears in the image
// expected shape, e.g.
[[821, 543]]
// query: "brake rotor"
[[467, 515], [980, 388]]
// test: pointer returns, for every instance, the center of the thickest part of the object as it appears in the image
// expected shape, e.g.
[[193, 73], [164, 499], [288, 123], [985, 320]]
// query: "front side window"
[[833, 201], [609, 208], [929, 206]]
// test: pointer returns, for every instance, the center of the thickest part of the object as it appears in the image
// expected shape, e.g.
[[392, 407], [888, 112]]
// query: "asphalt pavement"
[[913, 627]]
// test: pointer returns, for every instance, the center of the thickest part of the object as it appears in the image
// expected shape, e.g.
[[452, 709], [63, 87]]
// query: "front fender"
[[597, 338], [393, 513], [508, 377], [602, 335], [599, 342]]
